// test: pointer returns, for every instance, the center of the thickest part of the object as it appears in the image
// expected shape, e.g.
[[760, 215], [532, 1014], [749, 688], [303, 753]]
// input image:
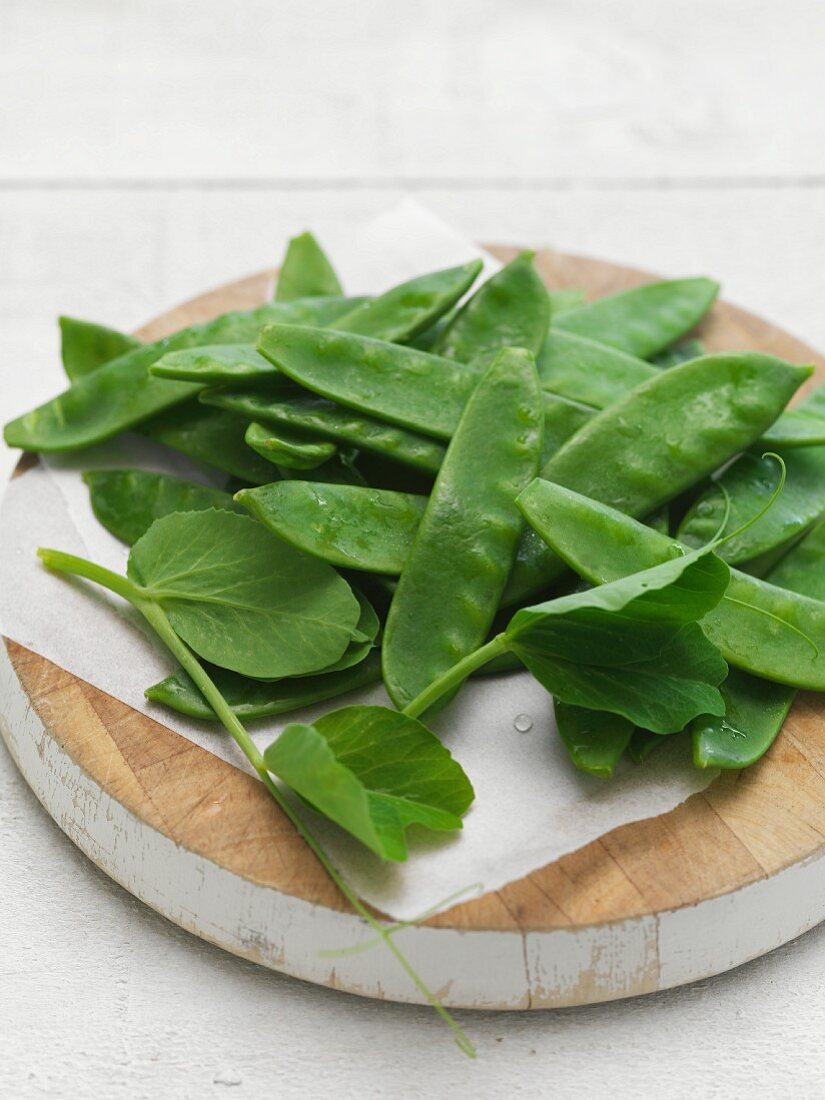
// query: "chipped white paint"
[[482, 970]]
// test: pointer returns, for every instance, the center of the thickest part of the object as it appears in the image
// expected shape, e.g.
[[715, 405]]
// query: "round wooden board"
[[727, 876]]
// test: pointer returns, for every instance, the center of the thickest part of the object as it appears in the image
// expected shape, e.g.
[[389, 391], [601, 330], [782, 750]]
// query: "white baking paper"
[[531, 805]]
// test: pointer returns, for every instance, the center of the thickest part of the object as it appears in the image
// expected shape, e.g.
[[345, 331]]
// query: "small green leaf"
[[243, 599], [374, 772]]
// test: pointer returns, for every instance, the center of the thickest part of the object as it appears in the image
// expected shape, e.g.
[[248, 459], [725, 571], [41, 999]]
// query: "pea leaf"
[[374, 772], [241, 598], [632, 647]]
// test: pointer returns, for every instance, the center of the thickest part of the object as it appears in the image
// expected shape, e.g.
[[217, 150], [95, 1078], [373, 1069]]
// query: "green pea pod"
[[662, 438], [404, 386], [407, 387], [452, 582], [251, 699], [644, 742], [803, 569], [306, 272], [282, 448], [367, 529], [412, 307], [645, 320], [563, 300], [512, 309], [348, 526], [318, 417], [85, 346], [582, 370], [217, 364], [127, 502], [594, 739], [749, 484], [757, 626], [796, 428], [754, 712], [213, 436], [682, 352], [122, 393], [755, 708]]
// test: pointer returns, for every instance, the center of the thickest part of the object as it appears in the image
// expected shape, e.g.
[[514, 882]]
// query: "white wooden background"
[[152, 148]]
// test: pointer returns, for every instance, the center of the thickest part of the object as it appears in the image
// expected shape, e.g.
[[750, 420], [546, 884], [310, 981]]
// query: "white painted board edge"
[[480, 970]]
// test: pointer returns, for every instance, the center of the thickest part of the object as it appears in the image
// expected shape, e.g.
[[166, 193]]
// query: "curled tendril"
[[757, 515]]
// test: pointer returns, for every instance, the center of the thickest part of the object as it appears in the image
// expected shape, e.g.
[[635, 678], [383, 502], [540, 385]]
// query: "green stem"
[[455, 676], [156, 617]]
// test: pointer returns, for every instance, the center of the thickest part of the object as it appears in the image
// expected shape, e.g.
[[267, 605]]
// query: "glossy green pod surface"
[[512, 309], [306, 271], [453, 580], [646, 319]]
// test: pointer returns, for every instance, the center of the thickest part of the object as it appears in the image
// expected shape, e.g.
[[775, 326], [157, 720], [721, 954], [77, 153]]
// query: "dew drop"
[[523, 723]]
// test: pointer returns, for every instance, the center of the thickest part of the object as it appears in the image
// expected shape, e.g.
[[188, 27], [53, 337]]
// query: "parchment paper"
[[531, 805]]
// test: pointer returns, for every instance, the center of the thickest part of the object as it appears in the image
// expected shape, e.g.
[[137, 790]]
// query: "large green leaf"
[[243, 599], [631, 647], [374, 772]]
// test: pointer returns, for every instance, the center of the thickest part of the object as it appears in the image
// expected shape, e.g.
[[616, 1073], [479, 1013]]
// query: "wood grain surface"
[[745, 827]]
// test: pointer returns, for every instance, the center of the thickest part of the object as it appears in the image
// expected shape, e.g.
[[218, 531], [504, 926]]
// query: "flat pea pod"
[[803, 568], [681, 352], [563, 300], [251, 699], [582, 370], [452, 582], [410, 308], [370, 530], [755, 709], [595, 739], [512, 309], [644, 742], [127, 502], [306, 272], [319, 417], [749, 483], [282, 448], [402, 385], [216, 364], [406, 387], [757, 626], [796, 428], [213, 436], [754, 712], [645, 320], [346, 525], [122, 392], [662, 438], [85, 346]]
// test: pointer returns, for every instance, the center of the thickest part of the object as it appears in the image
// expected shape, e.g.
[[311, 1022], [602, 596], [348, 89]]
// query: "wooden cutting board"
[[727, 876]]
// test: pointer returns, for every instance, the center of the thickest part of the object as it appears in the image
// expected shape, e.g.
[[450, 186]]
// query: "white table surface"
[[151, 149]]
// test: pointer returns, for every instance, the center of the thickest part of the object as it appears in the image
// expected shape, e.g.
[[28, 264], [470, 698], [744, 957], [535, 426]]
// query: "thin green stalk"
[[156, 617], [455, 676]]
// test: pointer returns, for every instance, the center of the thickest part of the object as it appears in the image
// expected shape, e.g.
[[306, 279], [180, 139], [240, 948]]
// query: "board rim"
[[456, 921]]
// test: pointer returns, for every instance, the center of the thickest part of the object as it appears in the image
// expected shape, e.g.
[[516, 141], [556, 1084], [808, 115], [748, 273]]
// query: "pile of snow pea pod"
[[455, 482], [441, 482]]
